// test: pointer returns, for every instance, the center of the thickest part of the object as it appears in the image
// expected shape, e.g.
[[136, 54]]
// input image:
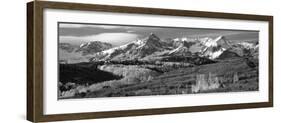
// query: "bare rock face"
[[228, 54], [93, 47]]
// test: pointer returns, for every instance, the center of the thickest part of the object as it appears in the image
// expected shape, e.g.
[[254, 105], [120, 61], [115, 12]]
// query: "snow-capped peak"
[[211, 42], [247, 45], [152, 36], [219, 41], [184, 39], [214, 47], [135, 49], [92, 43], [84, 44], [151, 41]]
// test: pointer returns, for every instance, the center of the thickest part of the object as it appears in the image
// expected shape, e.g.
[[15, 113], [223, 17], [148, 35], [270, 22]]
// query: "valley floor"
[[229, 75]]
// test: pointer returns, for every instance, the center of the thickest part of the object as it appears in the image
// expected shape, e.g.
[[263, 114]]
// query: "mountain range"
[[152, 47]]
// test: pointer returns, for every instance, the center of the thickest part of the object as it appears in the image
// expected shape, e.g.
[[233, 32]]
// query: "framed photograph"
[[89, 61]]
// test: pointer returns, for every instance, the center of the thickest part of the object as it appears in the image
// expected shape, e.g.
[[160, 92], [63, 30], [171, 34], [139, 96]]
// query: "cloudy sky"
[[122, 34]]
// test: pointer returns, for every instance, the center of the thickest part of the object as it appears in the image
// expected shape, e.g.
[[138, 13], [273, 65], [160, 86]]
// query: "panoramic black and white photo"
[[107, 60]]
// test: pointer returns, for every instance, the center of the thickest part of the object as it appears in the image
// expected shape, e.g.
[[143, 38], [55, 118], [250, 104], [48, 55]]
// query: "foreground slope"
[[231, 75]]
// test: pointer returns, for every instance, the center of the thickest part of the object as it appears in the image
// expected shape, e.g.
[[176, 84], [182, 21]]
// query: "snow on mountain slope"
[[152, 46], [69, 53], [93, 47], [247, 45], [182, 50], [209, 42], [133, 50], [213, 48], [213, 54], [245, 49]]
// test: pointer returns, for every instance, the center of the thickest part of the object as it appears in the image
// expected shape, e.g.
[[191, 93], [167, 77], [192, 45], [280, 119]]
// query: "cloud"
[[107, 26], [113, 38], [65, 25], [69, 25], [230, 33]]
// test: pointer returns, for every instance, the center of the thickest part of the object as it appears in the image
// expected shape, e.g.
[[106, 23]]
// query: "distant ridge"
[[93, 47], [152, 47]]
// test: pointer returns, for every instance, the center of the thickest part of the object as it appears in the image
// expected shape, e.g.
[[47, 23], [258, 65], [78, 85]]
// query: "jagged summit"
[[93, 47], [213, 48], [220, 40], [152, 41], [135, 49], [153, 36], [152, 46]]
